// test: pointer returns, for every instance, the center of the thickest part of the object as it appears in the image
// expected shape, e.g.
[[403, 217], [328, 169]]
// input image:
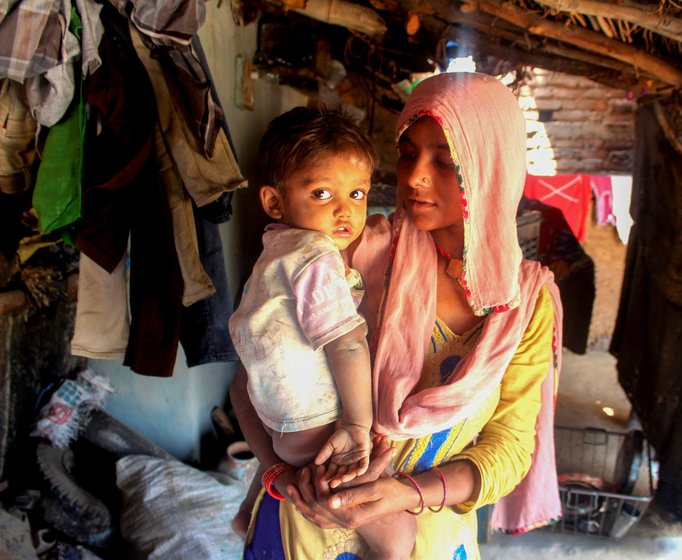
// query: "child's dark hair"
[[303, 134]]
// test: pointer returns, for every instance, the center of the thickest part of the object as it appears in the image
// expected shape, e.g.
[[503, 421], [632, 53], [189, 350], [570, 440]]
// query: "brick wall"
[[576, 125]]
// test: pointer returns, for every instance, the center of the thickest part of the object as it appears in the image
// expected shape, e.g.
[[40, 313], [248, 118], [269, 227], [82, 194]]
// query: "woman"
[[465, 338]]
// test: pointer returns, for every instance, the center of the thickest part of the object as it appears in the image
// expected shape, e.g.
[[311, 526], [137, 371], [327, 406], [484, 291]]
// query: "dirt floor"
[[587, 386], [607, 251]]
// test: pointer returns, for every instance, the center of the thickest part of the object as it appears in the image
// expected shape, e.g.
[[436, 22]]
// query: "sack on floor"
[[171, 510]]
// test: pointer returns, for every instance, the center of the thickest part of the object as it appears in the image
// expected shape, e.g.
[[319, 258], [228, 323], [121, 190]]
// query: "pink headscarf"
[[485, 130]]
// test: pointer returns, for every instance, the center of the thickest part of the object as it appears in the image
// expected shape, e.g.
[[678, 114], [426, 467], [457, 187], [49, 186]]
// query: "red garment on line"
[[570, 193]]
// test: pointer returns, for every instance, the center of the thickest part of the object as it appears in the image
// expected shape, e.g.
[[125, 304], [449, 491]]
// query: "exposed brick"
[[620, 160], [628, 118], [562, 153], [620, 129], [566, 81], [552, 93], [569, 166], [595, 143], [569, 142], [593, 164], [604, 93], [563, 130], [618, 144], [600, 105], [595, 154], [595, 130], [572, 115], [548, 104], [624, 106], [592, 126]]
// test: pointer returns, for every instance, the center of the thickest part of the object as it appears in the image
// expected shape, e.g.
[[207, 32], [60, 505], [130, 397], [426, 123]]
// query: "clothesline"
[[572, 193]]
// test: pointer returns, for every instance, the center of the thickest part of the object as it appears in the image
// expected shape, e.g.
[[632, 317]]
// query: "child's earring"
[[271, 200]]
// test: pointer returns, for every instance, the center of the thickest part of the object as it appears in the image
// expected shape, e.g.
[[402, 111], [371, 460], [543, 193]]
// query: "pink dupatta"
[[485, 130]]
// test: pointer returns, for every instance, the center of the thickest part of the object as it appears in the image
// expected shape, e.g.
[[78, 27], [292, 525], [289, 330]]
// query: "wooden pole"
[[646, 16], [583, 38]]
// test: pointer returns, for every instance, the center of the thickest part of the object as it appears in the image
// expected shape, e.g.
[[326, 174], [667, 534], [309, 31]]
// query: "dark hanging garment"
[[204, 335], [559, 250], [122, 198], [648, 331], [118, 146]]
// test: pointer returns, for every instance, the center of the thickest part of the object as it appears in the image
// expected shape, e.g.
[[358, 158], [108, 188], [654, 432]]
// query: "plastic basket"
[[605, 481], [528, 230]]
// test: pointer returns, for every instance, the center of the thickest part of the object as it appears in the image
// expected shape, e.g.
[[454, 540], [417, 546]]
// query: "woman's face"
[[427, 180]]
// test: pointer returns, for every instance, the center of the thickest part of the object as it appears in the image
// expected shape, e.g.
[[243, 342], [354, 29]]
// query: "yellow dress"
[[503, 429]]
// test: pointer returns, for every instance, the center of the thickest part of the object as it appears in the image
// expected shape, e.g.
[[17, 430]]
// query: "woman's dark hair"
[[304, 134]]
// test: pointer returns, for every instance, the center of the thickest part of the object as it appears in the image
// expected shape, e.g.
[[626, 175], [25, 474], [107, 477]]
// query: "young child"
[[297, 330]]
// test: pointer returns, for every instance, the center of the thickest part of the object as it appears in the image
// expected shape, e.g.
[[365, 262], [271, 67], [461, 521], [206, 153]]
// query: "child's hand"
[[348, 450]]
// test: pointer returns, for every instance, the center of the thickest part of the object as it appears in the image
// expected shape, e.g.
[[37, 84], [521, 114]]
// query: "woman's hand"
[[365, 499]]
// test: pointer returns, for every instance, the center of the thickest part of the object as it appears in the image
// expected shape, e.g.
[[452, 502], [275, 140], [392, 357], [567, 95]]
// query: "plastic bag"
[[63, 416]]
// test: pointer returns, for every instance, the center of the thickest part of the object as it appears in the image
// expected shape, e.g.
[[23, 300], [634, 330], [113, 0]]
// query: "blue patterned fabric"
[[460, 553], [267, 542]]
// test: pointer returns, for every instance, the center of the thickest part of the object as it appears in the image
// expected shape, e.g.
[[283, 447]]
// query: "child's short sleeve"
[[324, 305]]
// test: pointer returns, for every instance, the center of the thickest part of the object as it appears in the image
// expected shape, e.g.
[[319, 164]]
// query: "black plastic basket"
[[528, 230], [605, 480]]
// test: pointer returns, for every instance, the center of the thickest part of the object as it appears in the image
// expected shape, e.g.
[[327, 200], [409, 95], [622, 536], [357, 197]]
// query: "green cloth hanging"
[[57, 192]]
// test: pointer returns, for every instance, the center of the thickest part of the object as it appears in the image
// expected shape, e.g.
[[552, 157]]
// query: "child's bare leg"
[[296, 448], [391, 538], [300, 448], [240, 523]]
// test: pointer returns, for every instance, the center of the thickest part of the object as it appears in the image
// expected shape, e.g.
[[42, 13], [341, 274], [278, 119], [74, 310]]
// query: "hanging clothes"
[[17, 133], [574, 272], [570, 193], [38, 48], [204, 334], [102, 324], [178, 283], [603, 199], [206, 179], [621, 188], [50, 94], [168, 30], [30, 39], [123, 197], [57, 191], [648, 329]]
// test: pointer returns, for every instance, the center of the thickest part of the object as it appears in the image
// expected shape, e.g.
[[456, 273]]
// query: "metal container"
[[606, 480]]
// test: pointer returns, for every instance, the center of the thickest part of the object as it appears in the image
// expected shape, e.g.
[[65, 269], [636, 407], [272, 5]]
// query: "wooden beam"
[[489, 25], [645, 16], [583, 38], [486, 43]]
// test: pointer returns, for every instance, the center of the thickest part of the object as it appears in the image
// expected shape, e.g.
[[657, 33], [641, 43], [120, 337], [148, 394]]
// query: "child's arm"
[[348, 358]]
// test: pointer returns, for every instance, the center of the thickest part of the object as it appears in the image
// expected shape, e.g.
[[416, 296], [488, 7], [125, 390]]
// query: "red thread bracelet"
[[271, 474], [417, 488], [445, 490]]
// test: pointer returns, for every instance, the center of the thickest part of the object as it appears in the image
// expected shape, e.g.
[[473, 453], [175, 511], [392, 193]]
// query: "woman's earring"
[[425, 180]]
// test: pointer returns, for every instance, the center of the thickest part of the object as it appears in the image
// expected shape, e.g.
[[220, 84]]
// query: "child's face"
[[329, 196]]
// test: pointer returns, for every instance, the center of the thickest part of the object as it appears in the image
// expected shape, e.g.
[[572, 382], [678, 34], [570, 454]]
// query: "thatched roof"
[[605, 39], [622, 43]]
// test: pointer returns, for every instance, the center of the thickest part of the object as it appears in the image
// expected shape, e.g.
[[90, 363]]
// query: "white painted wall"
[[174, 413]]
